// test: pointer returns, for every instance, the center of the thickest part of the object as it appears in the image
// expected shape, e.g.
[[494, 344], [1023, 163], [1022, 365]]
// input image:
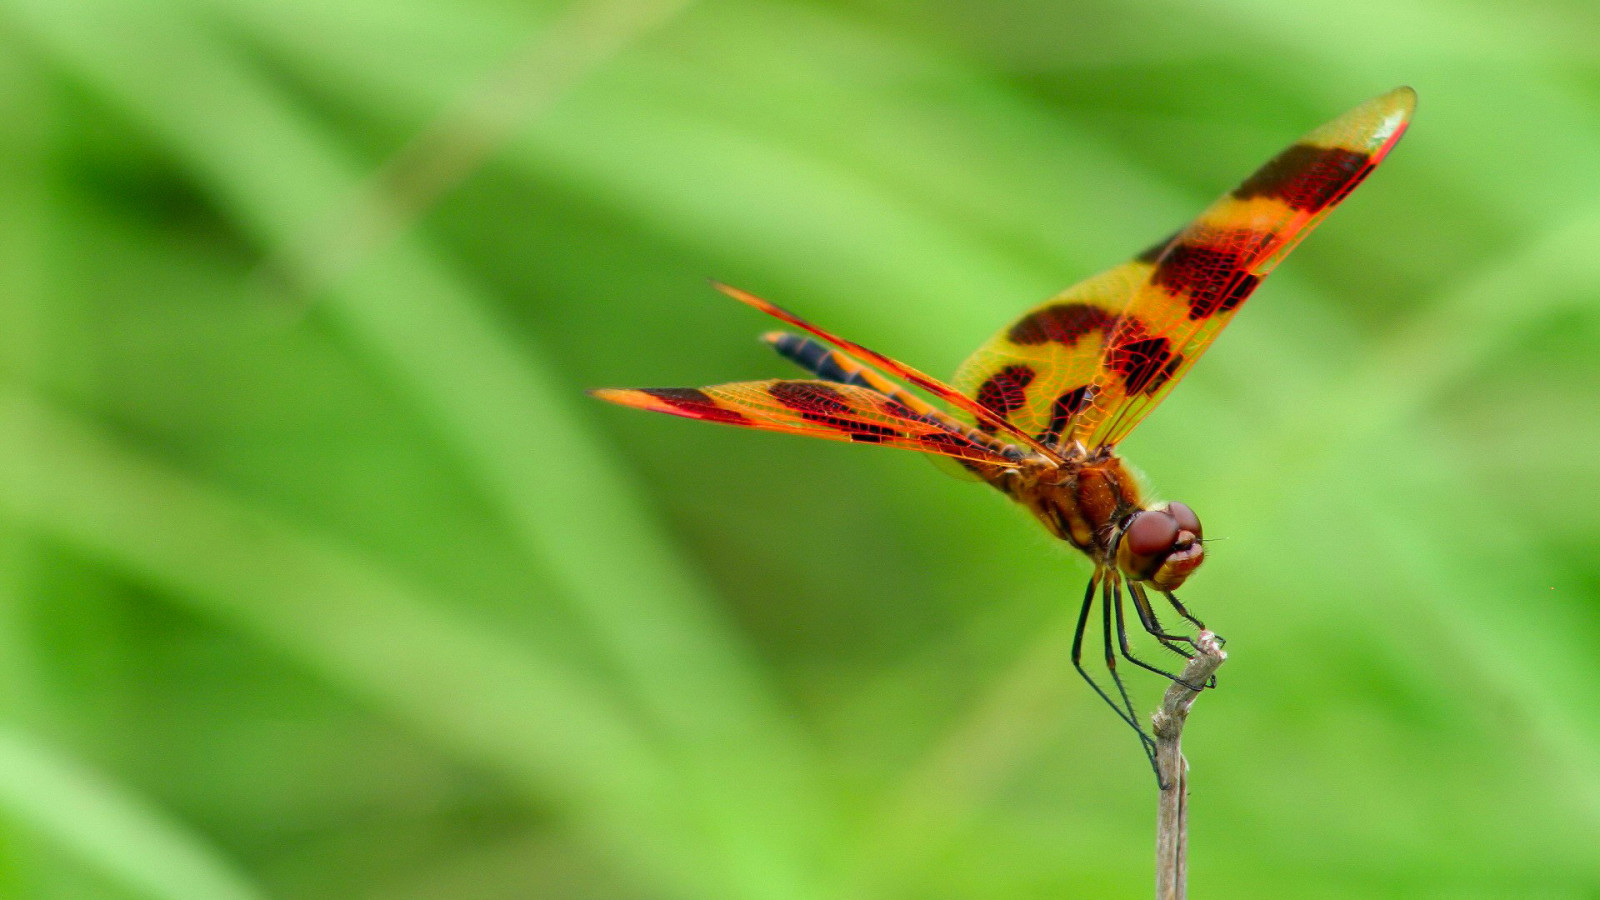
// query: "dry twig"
[[1172, 817]]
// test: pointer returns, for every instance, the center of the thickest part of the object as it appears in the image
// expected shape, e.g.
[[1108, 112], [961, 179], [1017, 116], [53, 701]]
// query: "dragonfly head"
[[1161, 546]]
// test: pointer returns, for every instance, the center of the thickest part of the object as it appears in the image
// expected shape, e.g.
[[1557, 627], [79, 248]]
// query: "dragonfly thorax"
[[1096, 505]]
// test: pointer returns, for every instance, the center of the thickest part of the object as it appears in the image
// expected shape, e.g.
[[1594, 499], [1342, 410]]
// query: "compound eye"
[[1151, 532], [1186, 518]]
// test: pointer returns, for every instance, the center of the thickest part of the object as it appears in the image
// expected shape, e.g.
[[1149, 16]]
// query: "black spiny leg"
[[1122, 635], [1147, 617], [1185, 613], [1148, 614], [1077, 661], [1106, 604]]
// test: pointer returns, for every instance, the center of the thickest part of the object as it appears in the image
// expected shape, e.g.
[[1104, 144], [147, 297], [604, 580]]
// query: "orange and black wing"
[[1091, 363], [821, 409], [989, 420]]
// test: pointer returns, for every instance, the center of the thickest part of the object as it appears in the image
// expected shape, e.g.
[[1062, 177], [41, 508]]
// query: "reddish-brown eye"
[[1187, 520], [1151, 532]]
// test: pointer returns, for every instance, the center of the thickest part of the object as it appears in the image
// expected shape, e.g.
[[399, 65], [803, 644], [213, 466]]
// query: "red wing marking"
[[898, 369], [821, 409], [1100, 356], [1214, 264], [838, 366]]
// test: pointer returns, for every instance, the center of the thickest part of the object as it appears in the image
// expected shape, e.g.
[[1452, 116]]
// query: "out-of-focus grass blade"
[[26, 217], [686, 147], [1366, 34], [758, 101], [515, 424], [477, 694], [1477, 134], [136, 847], [1518, 622], [1441, 343]]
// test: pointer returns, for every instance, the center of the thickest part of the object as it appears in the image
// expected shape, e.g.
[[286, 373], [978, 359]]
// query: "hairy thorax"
[[1081, 502], [1092, 502]]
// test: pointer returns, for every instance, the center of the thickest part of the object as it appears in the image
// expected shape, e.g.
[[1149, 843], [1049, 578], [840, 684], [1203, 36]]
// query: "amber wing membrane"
[[858, 353], [821, 409], [1039, 373], [838, 366], [1091, 363]]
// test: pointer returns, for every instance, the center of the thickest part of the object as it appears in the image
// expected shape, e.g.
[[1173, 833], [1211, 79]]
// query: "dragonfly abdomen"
[[817, 358]]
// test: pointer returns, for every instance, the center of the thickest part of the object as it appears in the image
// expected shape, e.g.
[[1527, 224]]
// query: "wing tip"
[[739, 294], [689, 403], [637, 398], [1396, 109], [1372, 128], [1401, 100], [749, 299], [1398, 106], [611, 395]]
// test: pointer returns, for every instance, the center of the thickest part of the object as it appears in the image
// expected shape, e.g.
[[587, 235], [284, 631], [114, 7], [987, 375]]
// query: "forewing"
[[821, 409], [1202, 277], [1092, 362], [1038, 372]]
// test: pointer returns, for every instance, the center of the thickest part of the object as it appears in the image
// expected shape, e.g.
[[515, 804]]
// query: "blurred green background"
[[321, 578]]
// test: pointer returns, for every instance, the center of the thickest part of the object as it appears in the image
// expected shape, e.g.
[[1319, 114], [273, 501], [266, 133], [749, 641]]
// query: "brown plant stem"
[[1172, 816]]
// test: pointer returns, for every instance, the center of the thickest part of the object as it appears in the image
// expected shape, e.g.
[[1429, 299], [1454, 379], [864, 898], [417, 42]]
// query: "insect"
[[1039, 409]]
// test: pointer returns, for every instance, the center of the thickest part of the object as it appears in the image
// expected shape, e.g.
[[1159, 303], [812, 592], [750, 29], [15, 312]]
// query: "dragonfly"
[[1039, 409]]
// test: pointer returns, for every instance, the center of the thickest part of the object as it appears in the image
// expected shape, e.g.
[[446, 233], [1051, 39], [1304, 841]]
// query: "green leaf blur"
[[320, 577]]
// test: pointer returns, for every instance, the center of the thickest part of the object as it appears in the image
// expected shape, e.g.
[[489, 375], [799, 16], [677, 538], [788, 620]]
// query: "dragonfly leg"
[[1182, 611], [1125, 714], [1106, 604], [1147, 617], [1122, 638], [1145, 607]]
